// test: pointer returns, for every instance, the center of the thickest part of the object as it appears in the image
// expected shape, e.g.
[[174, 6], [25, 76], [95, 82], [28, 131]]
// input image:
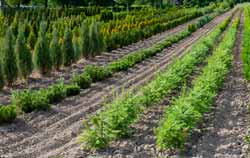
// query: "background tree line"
[[125, 3]]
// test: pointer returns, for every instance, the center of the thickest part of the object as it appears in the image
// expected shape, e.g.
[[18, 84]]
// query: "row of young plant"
[[245, 42], [30, 100], [186, 112], [116, 117], [51, 51]]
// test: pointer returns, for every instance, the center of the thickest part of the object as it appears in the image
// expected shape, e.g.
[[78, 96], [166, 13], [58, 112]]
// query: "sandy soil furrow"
[[49, 133]]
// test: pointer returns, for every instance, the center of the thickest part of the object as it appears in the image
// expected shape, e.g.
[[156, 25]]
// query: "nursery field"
[[155, 83]]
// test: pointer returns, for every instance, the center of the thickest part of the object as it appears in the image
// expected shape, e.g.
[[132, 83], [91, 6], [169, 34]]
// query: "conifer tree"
[[93, 38], [42, 58], [24, 57], [77, 51], [32, 40], [14, 25], [1, 77], [55, 50], [67, 48], [10, 70], [85, 39]]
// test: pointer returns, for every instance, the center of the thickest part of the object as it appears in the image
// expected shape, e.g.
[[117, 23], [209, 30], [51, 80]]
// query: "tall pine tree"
[[42, 58], [67, 48], [24, 57], [55, 50], [9, 58], [1, 77], [77, 51], [85, 39]]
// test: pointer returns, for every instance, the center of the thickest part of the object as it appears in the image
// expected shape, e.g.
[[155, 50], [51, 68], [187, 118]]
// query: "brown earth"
[[54, 132]]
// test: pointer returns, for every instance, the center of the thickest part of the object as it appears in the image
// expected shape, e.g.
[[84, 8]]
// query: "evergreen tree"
[[14, 25], [32, 40], [8, 58], [67, 48], [1, 77], [93, 38], [42, 58], [24, 57], [77, 51], [55, 50], [97, 44], [85, 39], [27, 29], [101, 45]]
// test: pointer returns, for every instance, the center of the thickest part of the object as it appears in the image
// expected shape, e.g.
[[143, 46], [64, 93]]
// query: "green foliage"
[[1, 77], [76, 46], [115, 120], [29, 100], [72, 90], [9, 58], [67, 48], [55, 50], [31, 40], [83, 81], [187, 110], [7, 113], [55, 93], [85, 39], [42, 59], [106, 15], [24, 57], [246, 44], [97, 73], [192, 28]]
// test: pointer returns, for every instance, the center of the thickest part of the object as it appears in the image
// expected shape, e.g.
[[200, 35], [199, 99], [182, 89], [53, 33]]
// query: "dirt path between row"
[[54, 132], [37, 82], [223, 130]]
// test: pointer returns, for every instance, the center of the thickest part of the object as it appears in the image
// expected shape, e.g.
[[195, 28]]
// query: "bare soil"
[[54, 133]]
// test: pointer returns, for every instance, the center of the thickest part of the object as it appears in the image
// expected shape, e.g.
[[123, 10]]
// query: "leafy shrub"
[[72, 90], [7, 113], [56, 92], [97, 73], [192, 28], [84, 80], [29, 100]]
